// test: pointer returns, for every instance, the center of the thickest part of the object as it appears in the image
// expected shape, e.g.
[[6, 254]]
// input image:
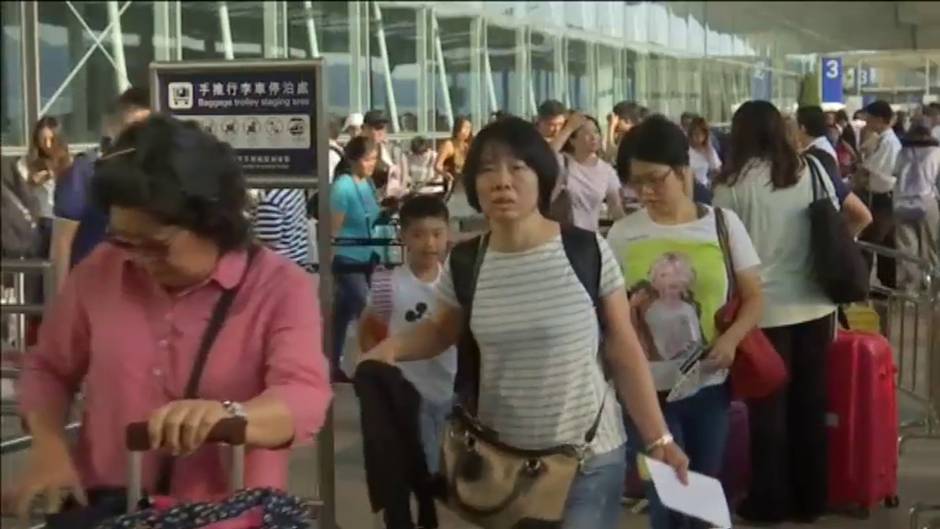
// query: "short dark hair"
[[354, 151], [687, 116], [180, 175], [628, 111], [420, 145], [134, 98], [551, 108], [842, 116], [417, 207], [655, 140], [932, 110], [812, 119], [375, 118], [880, 109], [523, 141]]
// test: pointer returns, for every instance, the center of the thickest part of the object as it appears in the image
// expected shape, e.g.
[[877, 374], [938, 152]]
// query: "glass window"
[[12, 106], [631, 76], [542, 50], [202, 29], [454, 34], [329, 22], [501, 49], [579, 76], [79, 79], [401, 36], [609, 80]]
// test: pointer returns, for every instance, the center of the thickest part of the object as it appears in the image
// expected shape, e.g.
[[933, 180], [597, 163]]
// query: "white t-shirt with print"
[[677, 279], [402, 300], [588, 186], [541, 381]]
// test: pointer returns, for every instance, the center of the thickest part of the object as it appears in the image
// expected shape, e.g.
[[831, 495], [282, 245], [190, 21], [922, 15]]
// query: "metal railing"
[[910, 319], [19, 302]]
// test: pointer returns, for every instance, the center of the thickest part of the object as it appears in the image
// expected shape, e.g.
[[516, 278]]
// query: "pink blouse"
[[130, 346]]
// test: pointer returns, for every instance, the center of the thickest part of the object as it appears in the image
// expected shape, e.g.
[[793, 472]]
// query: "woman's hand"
[[722, 354], [673, 456], [49, 472], [183, 426]]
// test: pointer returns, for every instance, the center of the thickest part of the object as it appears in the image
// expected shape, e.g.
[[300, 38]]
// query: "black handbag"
[[839, 264]]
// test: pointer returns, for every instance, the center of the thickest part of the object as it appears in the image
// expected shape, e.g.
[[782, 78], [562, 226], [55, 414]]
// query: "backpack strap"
[[584, 254], [465, 260]]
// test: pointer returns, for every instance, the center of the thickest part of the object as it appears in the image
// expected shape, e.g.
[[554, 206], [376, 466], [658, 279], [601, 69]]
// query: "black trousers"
[[788, 430], [881, 232]]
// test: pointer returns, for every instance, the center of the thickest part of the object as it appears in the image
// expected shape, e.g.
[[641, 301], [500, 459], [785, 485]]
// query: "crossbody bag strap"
[[724, 242], [219, 313]]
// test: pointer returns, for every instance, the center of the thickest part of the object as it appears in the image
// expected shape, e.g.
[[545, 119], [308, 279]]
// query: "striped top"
[[541, 383], [281, 223]]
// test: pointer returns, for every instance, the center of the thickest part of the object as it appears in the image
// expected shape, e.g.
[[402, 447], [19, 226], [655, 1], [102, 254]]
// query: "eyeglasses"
[[157, 248], [414, 315], [649, 180]]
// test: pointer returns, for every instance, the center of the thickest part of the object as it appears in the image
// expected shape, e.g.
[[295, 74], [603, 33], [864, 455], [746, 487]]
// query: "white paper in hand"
[[702, 498]]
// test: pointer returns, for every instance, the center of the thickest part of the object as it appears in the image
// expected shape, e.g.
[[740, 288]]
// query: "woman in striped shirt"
[[540, 381]]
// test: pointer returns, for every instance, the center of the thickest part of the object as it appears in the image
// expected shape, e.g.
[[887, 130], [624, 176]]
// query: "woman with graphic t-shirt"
[[541, 383], [590, 181], [674, 268]]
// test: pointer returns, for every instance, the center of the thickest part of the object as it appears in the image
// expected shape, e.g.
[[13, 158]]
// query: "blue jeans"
[[350, 293], [594, 499], [700, 426], [431, 419]]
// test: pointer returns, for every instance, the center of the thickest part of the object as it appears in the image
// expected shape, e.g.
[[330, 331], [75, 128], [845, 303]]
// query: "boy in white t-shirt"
[[403, 297]]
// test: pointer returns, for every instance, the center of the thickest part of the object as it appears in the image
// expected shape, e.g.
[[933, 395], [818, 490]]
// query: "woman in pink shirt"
[[129, 321], [590, 180]]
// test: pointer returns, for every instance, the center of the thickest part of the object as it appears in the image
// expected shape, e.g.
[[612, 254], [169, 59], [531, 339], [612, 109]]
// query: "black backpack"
[[583, 253]]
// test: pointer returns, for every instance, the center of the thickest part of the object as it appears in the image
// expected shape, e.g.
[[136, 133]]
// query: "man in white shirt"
[[375, 126], [932, 113], [876, 178]]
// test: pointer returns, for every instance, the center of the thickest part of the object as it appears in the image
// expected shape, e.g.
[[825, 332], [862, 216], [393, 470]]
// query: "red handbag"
[[758, 370]]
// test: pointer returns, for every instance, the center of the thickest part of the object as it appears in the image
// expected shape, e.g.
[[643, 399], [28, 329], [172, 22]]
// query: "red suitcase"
[[863, 422]]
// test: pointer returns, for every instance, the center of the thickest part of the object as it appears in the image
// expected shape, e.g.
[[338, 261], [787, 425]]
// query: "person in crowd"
[[499, 115], [453, 152], [79, 224], [280, 222], [829, 118], [809, 137], [625, 116], [46, 160], [541, 384], [932, 113], [916, 207], [666, 251], [770, 187], [354, 206], [685, 121], [127, 326], [419, 163], [591, 182], [404, 297], [876, 178], [846, 130], [703, 158], [353, 124], [389, 173], [336, 149], [551, 118], [900, 123]]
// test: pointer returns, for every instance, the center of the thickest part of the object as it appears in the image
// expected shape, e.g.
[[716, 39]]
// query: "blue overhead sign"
[[831, 82]]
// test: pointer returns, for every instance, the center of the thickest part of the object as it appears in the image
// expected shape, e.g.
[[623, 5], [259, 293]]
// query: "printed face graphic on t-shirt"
[[675, 288]]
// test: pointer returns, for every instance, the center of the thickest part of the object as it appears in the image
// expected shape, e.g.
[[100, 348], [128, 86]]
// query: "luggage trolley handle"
[[231, 431]]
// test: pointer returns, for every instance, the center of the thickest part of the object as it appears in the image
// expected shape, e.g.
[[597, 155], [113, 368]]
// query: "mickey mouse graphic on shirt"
[[415, 314]]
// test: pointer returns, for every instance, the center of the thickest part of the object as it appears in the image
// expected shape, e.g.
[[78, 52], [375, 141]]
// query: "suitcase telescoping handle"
[[230, 431]]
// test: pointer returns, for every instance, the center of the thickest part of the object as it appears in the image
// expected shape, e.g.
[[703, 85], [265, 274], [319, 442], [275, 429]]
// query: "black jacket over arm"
[[394, 456]]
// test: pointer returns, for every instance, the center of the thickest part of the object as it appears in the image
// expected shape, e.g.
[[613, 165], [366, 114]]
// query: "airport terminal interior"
[[415, 71]]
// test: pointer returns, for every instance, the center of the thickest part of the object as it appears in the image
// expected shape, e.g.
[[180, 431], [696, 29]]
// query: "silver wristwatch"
[[235, 409]]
